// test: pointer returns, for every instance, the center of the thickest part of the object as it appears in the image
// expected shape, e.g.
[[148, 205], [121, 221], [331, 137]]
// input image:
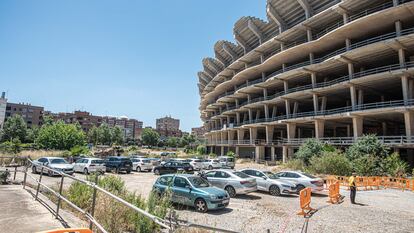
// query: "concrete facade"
[[332, 70], [168, 127], [32, 115]]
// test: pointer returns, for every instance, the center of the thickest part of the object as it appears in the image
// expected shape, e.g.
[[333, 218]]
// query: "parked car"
[[88, 165], [233, 182], [269, 182], [118, 163], [141, 164], [155, 161], [55, 163], [227, 162], [196, 163], [211, 164], [192, 191], [173, 167], [302, 179]]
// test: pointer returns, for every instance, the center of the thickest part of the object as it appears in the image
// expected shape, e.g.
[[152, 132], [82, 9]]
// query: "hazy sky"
[[130, 58]]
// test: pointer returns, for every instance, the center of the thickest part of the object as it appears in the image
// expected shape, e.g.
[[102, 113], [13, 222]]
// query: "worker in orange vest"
[[352, 187]]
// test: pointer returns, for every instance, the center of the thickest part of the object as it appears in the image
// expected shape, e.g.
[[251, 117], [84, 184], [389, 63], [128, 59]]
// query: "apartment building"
[[168, 127], [198, 132], [32, 115], [327, 69], [3, 105]]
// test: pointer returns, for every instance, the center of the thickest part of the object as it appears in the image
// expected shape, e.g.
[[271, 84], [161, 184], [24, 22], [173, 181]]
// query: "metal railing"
[[169, 224]]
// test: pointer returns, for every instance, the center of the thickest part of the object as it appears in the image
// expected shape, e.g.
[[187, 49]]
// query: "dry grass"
[[35, 154]]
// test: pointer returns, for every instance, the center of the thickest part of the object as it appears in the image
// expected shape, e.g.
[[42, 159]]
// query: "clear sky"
[[114, 57]]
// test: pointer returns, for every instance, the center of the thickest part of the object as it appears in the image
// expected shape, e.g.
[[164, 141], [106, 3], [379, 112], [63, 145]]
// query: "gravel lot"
[[380, 210]]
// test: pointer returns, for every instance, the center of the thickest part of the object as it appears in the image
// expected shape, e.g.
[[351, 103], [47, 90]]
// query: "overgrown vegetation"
[[114, 216], [368, 156], [105, 135]]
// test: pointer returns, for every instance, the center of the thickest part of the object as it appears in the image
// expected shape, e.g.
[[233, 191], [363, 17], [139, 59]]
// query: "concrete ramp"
[[20, 213]]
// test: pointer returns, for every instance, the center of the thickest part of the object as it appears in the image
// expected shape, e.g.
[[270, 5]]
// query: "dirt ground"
[[379, 211]]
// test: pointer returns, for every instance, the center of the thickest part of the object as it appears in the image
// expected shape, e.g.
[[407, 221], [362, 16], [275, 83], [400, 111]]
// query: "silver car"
[[88, 165], [269, 182], [55, 163], [211, 164], [227, 162], [303, 180], [196, 163], [141, 164], [233, 182]]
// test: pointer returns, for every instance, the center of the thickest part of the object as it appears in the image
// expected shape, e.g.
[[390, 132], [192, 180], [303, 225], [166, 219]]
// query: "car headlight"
[[213, 197]]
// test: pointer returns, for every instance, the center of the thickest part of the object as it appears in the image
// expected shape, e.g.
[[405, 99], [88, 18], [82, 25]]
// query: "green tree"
[[32, 134], [332, 163], [105, 134], [172, 142], [60, 136], [117, 136], [93, 135], [14, 128], [150, 137], [393, 165], [201, 150], [311, 147], [48, 120]]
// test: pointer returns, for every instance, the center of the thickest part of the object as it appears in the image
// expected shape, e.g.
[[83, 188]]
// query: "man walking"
[[352, 187]]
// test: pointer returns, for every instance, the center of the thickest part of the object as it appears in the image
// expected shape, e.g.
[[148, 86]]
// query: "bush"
[[231, 154], [79, 150], [366, 146], [312, 147], [114, 216], [60, 136], [212, 155], [334, 163], [394, 166], [201, 150], [295, 164]]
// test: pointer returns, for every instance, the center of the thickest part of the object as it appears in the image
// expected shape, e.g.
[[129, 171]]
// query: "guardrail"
[[169, 224]]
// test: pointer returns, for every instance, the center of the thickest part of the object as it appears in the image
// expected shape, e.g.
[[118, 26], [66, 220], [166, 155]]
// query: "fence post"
[[24, 178], [15, 171], [38, 184], [94, 200], [59, 198]]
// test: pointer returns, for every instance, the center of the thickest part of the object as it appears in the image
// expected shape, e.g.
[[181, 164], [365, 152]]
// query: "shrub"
[[212, 155], [334, 163], [295, 164], [311, 147], [201, 150], [394, 166], [79, 150], [367, 145], [231, 154]]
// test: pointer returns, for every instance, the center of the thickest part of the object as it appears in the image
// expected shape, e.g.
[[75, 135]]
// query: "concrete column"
[[291, 130], [384, 128], [404, 84], [287, 104], [272, 154], [409, 123], [313, 79], [238, 151], [309, 34], [231, 136], [274, 111], [299, 133], [410, 88], [319, 128], [395, 2], [250, 115], [323, 105], [360, 96], [345, 17], [259, 153], [265, 93], [282, 46], [266, 111], [237, 103], [348, 130], [269, 133], [350, 70], [401, 57], [352, 89], [285, 154], [315, 103], [283, 67], [240, 135], [257, 114], [253, 135], [245, 117], [398, 27], [285, 85], [237, 117], [295, 108], [357, 124], [222, 150], [311, 58], [249, 98], [348, 44]]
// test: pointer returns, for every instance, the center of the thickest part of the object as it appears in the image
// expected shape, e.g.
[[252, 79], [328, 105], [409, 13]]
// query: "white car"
[[269, 182], [211, 164], [141, 164], [197, 164], [303, 180], [88, 165], [55, 163]]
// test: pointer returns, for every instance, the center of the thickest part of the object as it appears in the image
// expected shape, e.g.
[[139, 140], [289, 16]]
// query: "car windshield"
[[198, 160], [241, 174], [271, 175], [124, 159], [146, 161], [230, 159], [97, 161], [309, 176], [58, 161], [185, 164], [198, 182], [216, 161]]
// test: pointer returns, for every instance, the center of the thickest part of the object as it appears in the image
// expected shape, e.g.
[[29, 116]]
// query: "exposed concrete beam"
[[277, 18], [230, 52], [209, 72], [241, 42], [341, 10], [221, 60], [396, 45], [215, 66], [204, 76], [346, 60], [306, 6], [253, 27]]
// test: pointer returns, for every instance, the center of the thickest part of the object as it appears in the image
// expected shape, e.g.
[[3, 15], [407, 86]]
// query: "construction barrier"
[[69, 230], [305, 200], [372, 182], [334, 196]]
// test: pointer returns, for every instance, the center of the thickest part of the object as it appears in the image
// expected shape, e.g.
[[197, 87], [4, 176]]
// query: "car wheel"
[[201, 205], [231, 191], [138, 169], [49, 173], [85, 171], [34, 170], [300, 187], [156, 172], [274, 190], [210, 167], [117, 170], [128, 171]]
